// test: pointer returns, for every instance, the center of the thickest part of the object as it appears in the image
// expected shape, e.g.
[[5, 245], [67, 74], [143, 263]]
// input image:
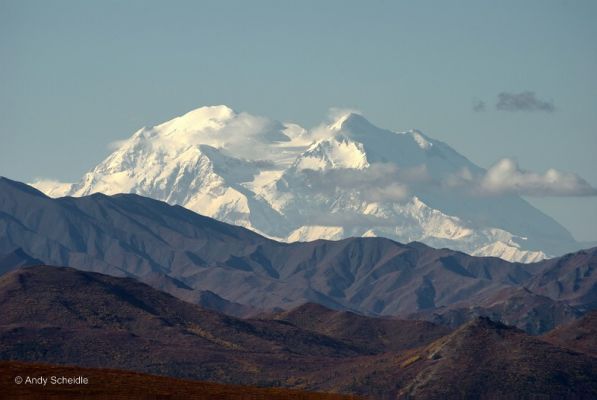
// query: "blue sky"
[[76, 75]]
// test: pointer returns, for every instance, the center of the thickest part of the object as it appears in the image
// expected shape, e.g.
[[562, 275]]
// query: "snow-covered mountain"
[[345, 178]]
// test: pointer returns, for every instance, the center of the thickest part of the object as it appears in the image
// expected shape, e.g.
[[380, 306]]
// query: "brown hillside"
[[68, 317], [489, 360]]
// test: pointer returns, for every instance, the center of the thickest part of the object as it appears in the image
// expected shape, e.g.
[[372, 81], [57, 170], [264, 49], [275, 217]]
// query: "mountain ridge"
[[186, 254]]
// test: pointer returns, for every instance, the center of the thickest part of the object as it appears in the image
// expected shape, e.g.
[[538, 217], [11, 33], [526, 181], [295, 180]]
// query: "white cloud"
[[505, 176], [248, 136]]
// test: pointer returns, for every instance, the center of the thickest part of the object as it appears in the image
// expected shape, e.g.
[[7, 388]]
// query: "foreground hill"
[[488, 360], [118, 384], [61, 315], [186, 254], [64, 316]]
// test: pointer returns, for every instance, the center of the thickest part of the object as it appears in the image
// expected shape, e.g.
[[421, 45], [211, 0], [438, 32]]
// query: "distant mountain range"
[[65, 316], [347, 178], [234, 270]]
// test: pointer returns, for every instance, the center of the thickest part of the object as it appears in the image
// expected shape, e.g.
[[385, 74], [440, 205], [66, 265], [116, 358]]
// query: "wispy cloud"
[[387, 182], [523, 101], [338, 112], [378, 182]]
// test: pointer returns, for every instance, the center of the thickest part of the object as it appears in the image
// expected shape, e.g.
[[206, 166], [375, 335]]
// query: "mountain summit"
[[341, 179]]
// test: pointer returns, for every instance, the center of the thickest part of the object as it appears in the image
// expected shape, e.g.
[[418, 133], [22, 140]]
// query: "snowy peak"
[[340, 179], [204, 117], [405, 149], [216, 126], [353, 122], [196, 121], [213, 117], [335, 152]]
